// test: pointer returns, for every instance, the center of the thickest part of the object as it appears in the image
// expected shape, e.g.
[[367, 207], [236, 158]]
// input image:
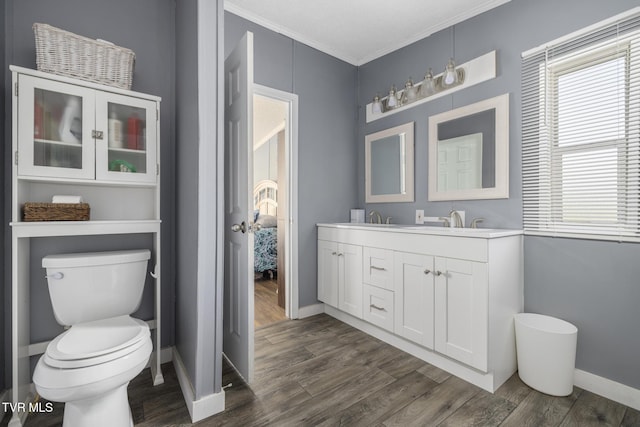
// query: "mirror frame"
[[408, 196], [501, 189]]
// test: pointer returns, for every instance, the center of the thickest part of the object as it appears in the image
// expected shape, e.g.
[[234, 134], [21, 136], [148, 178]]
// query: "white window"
[[580, 129]]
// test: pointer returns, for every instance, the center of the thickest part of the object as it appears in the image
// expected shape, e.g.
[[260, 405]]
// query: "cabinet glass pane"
[[127, 139], [57, 129]]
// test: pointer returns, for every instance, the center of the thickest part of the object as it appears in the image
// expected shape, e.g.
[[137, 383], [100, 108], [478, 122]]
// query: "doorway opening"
[[273, 205]]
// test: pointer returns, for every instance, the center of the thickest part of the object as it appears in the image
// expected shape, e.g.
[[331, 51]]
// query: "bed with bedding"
[[266, 238]]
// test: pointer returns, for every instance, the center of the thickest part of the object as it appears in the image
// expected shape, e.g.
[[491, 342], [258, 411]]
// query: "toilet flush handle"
[[154, 273], [56, 276]]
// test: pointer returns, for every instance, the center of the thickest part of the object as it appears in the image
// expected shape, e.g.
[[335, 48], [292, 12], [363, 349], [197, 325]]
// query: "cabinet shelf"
[[53, 142], [90, 182], [128, 150], [83, 228]]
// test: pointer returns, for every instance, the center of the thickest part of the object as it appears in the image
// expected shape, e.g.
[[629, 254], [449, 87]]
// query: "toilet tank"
[[95, 285]]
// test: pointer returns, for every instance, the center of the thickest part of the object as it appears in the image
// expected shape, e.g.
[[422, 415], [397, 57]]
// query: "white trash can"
[[546, 350]]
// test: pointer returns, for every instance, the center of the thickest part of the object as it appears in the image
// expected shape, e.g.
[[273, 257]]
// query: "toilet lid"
[[90, 343]]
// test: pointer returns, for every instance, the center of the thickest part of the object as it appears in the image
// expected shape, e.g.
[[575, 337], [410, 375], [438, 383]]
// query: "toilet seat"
[[100, 341]]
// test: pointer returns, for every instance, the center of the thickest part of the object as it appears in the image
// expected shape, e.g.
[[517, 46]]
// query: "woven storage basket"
[[56, 211], [68, 54]]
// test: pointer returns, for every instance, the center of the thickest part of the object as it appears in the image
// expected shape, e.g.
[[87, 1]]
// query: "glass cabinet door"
[[55, 129], [128, 150]]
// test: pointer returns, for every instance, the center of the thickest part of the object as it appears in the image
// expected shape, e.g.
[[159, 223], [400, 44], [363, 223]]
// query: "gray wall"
[[147, 27], [186, 182], [591, 284], [5, 209], [326, 89], [199, 201]]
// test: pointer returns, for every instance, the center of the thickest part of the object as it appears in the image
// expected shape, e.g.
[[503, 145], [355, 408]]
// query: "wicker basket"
[[56, 211], [68, 54]]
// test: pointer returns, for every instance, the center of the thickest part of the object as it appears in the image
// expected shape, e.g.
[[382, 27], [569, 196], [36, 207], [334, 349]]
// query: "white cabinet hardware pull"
[[378, 268], [427, 271], [377, 308], [438, 273], [56, 276]]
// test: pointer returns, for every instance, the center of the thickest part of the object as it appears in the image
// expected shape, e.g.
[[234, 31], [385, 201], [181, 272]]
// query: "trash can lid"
[[545, 323]]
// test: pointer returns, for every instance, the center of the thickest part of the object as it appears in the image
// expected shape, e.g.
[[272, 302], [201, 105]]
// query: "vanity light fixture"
[[453, 76]]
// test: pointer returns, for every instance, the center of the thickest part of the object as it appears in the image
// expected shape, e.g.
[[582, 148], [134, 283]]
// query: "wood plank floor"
[[267, 310], [321, 372]]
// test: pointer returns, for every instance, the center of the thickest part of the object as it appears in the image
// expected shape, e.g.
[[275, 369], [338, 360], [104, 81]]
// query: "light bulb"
[[410, 93], [450, 76], [377, 105], [428, 85], [392, 101]]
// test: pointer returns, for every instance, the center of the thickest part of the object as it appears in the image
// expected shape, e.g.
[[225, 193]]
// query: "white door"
[[238, 274], [460, 163]]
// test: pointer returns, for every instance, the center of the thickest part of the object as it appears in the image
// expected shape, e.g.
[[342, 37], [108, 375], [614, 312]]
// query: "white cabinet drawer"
[[378, 306], [378, 267]]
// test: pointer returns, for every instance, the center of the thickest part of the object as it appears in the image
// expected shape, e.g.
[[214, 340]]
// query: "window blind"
[[581, 133]]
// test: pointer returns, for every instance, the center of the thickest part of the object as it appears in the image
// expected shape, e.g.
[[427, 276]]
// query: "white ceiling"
[[269, 117], [358, 31]]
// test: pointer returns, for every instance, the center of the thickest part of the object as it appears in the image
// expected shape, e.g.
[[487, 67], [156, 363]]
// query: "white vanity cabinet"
[[70, 131], [446, 296], [340, 276], [72, 137]]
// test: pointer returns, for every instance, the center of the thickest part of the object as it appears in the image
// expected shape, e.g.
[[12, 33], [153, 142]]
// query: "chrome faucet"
[[474, 223], [372, 213], [456, 219]]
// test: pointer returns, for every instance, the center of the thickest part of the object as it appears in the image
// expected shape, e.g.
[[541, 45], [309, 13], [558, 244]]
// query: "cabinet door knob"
[[427, 271], [334, 253], [340, 254], [97, 134], [438, 273]]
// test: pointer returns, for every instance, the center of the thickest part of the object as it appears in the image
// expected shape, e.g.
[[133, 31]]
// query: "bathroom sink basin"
[[427, 229]]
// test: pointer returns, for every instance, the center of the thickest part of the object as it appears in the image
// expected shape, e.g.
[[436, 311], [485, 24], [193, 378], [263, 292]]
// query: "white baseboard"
[[610, 389], [203, 407], [310, 310]]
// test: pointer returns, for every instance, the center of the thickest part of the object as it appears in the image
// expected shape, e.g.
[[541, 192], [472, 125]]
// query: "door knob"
[[239, 227]]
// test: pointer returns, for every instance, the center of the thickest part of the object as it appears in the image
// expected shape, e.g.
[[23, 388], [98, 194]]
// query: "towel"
[[66, 199]]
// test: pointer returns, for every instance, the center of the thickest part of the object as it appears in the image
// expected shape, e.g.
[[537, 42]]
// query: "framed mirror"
[[389, 165], [469, 152]]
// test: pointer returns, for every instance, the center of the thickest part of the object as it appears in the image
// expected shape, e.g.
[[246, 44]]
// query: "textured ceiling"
[[358, 31]]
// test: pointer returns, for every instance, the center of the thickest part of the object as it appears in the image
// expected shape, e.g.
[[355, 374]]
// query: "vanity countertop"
[[483, 233]]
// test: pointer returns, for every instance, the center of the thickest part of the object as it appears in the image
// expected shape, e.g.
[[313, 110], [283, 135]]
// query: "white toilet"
[[90, 365]]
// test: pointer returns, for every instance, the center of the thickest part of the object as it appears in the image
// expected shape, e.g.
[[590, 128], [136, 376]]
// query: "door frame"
[[291, 223]]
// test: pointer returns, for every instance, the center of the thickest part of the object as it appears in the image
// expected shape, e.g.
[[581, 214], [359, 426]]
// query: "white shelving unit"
[[61, 145]]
